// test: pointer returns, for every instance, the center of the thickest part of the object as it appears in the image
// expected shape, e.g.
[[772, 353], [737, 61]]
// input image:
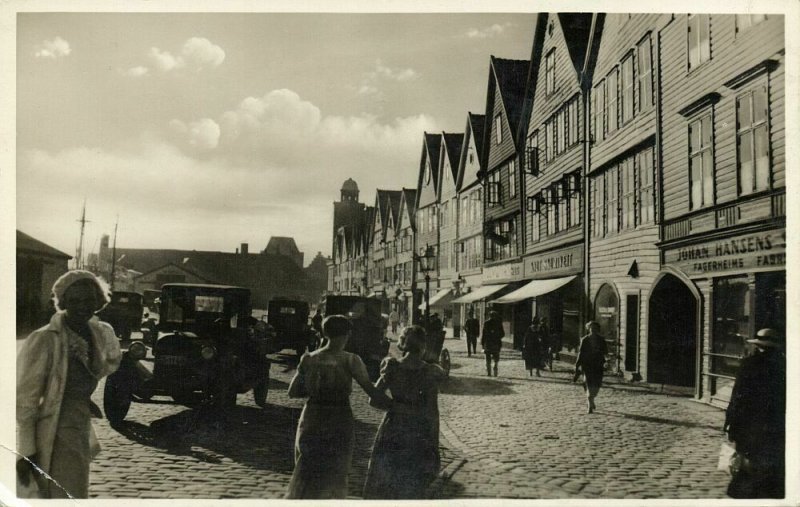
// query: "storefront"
[[723, 290], [515, 318], [553, 292]]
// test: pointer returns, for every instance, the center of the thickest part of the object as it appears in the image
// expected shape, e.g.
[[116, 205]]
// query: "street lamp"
[[427, 263]]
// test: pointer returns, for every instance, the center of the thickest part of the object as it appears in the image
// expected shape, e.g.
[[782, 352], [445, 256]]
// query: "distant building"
[[281, 245], [38, 267], [316, 277]]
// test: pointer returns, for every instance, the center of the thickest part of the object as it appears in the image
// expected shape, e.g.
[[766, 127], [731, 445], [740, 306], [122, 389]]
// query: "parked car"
[[205, 352], [289, 320], [124, 313], [368, 339], [150, 299]]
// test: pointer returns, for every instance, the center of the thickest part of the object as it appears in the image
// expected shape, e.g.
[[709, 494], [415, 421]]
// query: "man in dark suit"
[[492, 341]]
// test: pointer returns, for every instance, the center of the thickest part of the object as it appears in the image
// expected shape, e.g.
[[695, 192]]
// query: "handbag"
[[729, 460]]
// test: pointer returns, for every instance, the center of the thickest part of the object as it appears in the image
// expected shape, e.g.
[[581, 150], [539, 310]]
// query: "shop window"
[[701, 163], [732, 314], [699, 35], [752, 140]]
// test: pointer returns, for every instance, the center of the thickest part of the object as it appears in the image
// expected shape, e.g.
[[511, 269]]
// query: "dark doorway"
[[606, 313], [632, 332], [672, 336], [522, 319]]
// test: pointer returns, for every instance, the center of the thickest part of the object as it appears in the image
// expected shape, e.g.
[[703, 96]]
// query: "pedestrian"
[[394, 320], [316, 321], [472, 330], [591, 361], [755, 420], [533, 349], [492, 341], [58, 368], [548, 342], [324, 440], [405, 456]]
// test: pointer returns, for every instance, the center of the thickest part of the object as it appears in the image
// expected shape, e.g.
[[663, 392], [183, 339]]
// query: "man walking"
[[591, 360], [755, 420], [394, 319], [492, 341], [472, 329]]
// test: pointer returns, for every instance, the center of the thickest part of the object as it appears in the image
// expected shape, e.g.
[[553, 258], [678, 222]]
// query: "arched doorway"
[[606, 313], [672, 333]]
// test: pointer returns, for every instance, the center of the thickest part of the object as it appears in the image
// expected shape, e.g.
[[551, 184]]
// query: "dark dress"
[[534, 349], [591, 359], [405, 456]]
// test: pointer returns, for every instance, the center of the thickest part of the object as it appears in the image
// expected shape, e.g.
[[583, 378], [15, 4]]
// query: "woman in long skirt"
[[324, 441], [533, 348], [405, 456]]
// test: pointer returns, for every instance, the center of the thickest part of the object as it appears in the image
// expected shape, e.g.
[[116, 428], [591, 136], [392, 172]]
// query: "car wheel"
[[116, 402], [444, 361]]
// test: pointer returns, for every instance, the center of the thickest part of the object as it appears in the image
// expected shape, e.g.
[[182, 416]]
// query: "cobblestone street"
[[512, 436]]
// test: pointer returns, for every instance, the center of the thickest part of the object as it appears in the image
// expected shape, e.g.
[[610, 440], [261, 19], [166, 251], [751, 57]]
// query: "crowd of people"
[[59, 366]]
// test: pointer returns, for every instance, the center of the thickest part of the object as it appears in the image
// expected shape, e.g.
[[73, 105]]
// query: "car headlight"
[[137, 351], [208, 352]]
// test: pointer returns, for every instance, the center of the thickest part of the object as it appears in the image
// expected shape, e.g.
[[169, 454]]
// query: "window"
[[498, 128], [699, 40], [558, 125], [628, 194], [598, 206], [612, 197], [627, 88], [548, 146], [644, 56], [535, 221], [745, 21], [494, 188], [550, 211], [752, 140], [645, 202], [611, 101], [427, 171], [532, 153], [512, 178], [598, 110], [573, 122], [575, 200], [701, 163], [550, 71], [563, 207]]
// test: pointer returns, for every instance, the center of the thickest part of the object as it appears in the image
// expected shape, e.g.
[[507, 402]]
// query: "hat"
[[69, 278], [766, 337]]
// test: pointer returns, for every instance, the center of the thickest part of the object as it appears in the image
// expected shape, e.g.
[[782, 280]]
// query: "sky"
[[205, 131]]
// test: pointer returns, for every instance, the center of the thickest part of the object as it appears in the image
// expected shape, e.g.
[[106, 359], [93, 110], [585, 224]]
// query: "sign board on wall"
[[566, 261], [502, 273], [747, 252]]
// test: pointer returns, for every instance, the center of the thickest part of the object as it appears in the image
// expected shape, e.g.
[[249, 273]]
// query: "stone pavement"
[[528, 437]]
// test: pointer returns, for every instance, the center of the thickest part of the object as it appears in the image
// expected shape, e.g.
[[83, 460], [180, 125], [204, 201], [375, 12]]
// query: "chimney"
[[244, 249]]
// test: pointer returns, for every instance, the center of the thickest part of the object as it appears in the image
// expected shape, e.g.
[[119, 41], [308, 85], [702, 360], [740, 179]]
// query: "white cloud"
[[137, 71], [196, 53], [202, 135], [201, 53], [55, 48], [383, 71], [487, 32], [163, 60]]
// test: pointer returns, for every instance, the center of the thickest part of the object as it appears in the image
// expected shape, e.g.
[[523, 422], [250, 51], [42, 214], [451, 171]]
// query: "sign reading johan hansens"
[[756, 251]]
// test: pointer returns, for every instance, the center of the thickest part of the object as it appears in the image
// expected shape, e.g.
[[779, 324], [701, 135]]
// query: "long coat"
[[534, 349], [41, 376]]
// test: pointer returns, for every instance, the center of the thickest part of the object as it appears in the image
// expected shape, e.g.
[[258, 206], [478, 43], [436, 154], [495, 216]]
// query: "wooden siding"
[[469, 230], [731, 55], [622, 34], [427, 191], [470, 176], [498, 153]]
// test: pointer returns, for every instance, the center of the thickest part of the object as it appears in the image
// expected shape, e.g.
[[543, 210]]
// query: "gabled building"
[[282, 245], [622, 233], [38, 267], [427, 213], [403, 292], [469, 240], [503, 220], [553, 163], [382, 247], [350, 219], [723, 230]]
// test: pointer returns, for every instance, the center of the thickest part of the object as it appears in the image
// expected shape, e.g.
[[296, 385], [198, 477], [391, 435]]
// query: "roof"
[[476, 123], [31, 245], [511, 77], [431, 144], [595, 36], [410, 200], [350, 185], [178, 266], [281, 245], [452, 144], [576, 28]]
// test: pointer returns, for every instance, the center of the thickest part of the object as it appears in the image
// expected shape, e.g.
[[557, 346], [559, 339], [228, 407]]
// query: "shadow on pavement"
[[472, 386], [659, 420]]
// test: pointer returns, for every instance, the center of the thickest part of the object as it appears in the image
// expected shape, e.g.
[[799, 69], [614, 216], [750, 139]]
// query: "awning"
[[440, 298], [479, 293], [535, 288]]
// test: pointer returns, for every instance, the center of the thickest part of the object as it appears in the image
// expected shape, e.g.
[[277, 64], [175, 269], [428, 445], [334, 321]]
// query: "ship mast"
[[114, 255], [79, 257]]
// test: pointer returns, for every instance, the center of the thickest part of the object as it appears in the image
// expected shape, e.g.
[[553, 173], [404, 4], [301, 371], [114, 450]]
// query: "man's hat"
[[766, 337]]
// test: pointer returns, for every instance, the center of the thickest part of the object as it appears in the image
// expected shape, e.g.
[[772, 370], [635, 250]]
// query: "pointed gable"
[[408, 205], [576, 28], [511, 79], [451, 150], [505, 98], [427, 182], [469, 160]]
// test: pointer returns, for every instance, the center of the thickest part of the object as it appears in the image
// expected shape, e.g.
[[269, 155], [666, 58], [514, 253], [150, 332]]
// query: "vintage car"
[[124, 313], [368, 339], [150, 299], [289, 320], [206, 352]]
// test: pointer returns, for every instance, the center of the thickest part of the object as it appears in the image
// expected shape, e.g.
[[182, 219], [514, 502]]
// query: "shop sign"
[[741, 253], [567, 261], [502, 273]]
